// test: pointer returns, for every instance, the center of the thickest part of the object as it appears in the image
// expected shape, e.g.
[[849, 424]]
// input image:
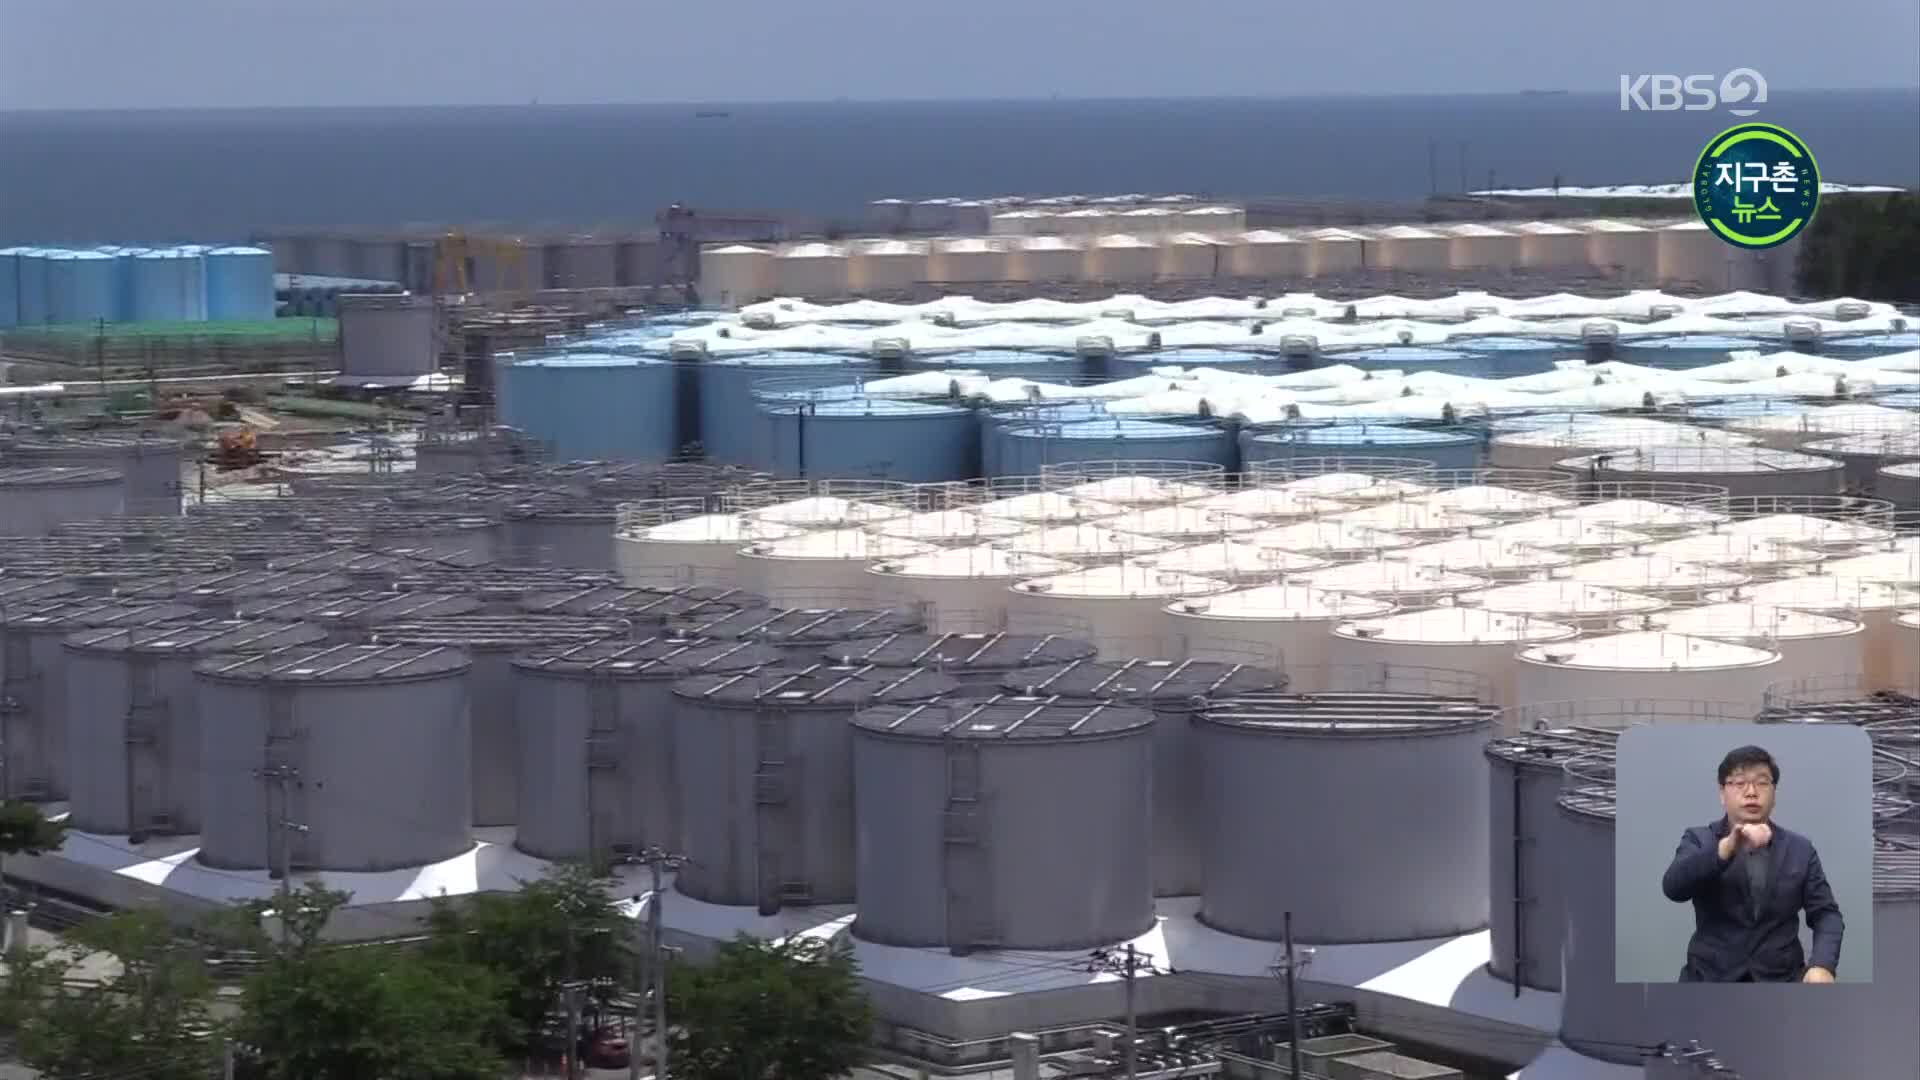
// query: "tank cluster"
[[44, 286], [1744, 386]]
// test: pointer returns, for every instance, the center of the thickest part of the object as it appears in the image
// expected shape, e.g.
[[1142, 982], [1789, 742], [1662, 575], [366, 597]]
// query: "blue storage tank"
[[730, 426], [239, 284], [1688, 350], [9, 287], [992, 420], [1025, 449], [1746, 408], [919, 442], [1002, 364], [33, 285], [80, 287], [1447, 449], [123, 265], [592, 405], [169, 285]]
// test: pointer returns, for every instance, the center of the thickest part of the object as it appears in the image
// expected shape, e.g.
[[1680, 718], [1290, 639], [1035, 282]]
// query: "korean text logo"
[[1756, 185]]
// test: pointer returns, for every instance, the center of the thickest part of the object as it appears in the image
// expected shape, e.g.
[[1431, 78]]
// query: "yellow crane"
[[456, 264]]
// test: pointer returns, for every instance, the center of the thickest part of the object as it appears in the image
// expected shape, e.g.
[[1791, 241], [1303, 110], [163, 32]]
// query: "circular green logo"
[[1756, 185]]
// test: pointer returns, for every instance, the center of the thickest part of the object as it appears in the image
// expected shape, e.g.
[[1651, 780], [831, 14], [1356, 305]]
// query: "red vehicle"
[[607, 1048]]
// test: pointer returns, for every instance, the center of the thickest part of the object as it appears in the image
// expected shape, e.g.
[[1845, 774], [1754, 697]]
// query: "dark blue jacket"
[[1731, 944]]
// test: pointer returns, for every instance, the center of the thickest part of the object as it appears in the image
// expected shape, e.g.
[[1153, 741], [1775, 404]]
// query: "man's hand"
[[1817, 975], [1755, 836]]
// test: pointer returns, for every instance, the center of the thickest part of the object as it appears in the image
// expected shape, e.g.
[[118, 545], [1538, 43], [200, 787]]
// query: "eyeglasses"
[[1751, 785]]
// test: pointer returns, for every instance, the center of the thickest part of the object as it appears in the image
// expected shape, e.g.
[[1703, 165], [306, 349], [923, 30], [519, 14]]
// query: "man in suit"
[[1748, 880]]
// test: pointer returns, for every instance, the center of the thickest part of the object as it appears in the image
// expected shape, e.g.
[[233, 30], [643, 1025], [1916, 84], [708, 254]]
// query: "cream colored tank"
[[821, 568], [1906, 657], [1264, 253], [1270, 505], [1496, 560], [1589, 607], [1812, 647], [961, 590], [1646, 665], [1759, 557], [1287, 624], [699, 550], [1456, 638], [1404, 584], [1656, 575], [1120, 608], [1874, 604], [1233, 559]]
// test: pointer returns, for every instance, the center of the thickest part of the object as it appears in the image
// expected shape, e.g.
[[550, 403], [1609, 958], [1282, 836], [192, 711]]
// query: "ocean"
[[218, 175]]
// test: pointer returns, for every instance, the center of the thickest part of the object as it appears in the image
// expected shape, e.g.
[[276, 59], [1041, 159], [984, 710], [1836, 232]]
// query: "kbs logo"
[[1743, 87]]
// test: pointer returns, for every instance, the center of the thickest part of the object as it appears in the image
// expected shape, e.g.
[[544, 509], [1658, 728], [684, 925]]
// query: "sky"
[[115, 54]]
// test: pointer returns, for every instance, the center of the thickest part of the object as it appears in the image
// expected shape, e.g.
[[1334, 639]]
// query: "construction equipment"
[[456, 270], [235, 447]]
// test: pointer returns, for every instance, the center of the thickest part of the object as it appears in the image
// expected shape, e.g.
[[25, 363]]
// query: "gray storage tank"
[[351, 619], [220, 594], [36, 498], [969, 659], [490, 642], [151, 462], [597, 740], [562, 531], [33, 682], [799, 632], [133, 738], [1007, 822], [1173, 690], [363, 746], [765, 764], [499, 590], [1324, 758], [647, 609]]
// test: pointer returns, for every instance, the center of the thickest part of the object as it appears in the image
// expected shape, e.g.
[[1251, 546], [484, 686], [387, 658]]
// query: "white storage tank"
[[1122, 259], [1231, 558], [1574, 603], [1758, 556], [1147, 222], [1646, 664], [1655, 575], [1035, 259], [1547, 448], [1087, 221], [1482, 247], [1265, 253], [1086, 544], [596, 769], [1630, 251], [1469, 639], [1135, 483], [133, 736], [1420, 521], [1874, 604], [826, 565], [1551, 244], [1211, 219], [1118, 607], [1745, 471], [966, 260], [1334, 541], [887, 265], [960, 590], [1324, 757], [1331, 252], [1811, 646], [811, 271], [976, 820], [36, 499], [1906, 654], [1286, 625], [949, 528], [1405, 584], [1495, 560], [376, 733], [1690, 256], [1410, 248], [734, 275], [655, 546], [1275, 506], [1042, 508], [1192, 255], [766, 773], [1654, 509]]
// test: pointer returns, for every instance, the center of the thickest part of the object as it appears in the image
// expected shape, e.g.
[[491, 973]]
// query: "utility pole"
[[280, 776], [659, 861], [1126, 964], [1286, 968]]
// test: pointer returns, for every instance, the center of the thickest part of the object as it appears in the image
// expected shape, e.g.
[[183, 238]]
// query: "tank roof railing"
[[1610, 716]]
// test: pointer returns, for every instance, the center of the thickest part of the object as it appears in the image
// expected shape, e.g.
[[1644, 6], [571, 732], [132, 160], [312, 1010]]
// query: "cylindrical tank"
[[33, 681], [10, 287], [595, 405], [219, 594], [1413, 249], [169, 285], [1445, 449], [733, 275], [1288, 623], [1331, 252], [1906, 659], [1811, 646], [1646, 664], [1233, 559], [1474, 246], [811, 271], [493, 726], [1899, 485], [644, 610], [81, 288], [352, 618], [1121, 259], [33, 300], [365, 746], [1460, 638], [150, 462], [1172, 691], [1874, 604], [1551, 447], [1038, 259], [1762, 1032], [800, 633], [239, 284], [820, 565], [967, 260], [1120, 607], [1573, 603], [1264, 253], [133, 739], [1324, 758], [1631, 251], [596, 740], [1405, 584], [1027, 449], [766, 773], [34, 499], [1743, 471], [1494, 560], [888, 265], [1758, 556], [562, 531], [916, 442], [387, 335], [659, 545], [1688, 254], [967, 658], [1006, 822], [1655, 575], [960, 590], [1551, 244]]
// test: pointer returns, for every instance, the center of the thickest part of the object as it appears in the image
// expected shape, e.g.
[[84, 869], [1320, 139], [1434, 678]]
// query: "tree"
[[791, 1010], [24, 830], [154, 1013], [322, 1011], [566, 924], [1862, 246]]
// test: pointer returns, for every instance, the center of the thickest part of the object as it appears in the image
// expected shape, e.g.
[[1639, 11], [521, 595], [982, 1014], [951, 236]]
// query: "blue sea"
[[157, 176]]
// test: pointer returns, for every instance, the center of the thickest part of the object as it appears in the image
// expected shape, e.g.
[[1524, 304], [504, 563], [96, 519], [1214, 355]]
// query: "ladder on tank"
[[22, 774], [967, 861], [777, 846], [288, 848], [144, 757], [603, 765]]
